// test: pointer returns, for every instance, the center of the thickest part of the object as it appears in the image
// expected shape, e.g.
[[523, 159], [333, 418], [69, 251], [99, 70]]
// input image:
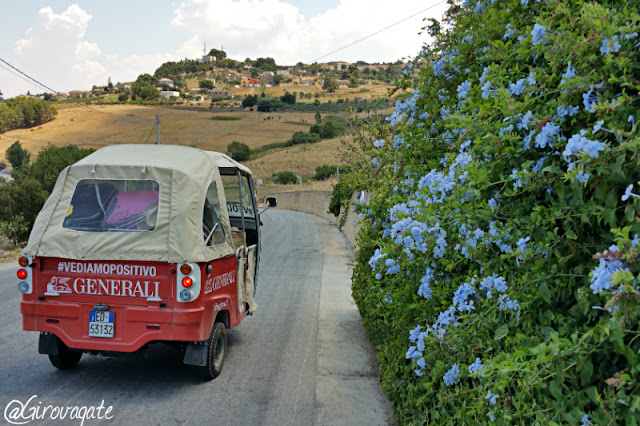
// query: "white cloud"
[[56, 54], [55, 50], [253, 28]]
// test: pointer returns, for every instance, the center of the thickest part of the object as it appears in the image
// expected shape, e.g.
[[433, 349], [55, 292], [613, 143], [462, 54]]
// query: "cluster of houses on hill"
[[241, 79]]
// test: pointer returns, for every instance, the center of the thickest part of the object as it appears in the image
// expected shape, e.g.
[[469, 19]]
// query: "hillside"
[[115, 124]]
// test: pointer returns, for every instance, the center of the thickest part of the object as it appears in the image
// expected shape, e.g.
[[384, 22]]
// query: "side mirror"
[[272, 201]]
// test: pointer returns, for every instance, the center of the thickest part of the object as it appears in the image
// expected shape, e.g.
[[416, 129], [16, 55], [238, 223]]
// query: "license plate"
[[101, 324]]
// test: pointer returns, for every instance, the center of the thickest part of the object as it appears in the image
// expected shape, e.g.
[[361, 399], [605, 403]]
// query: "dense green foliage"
[[289, 98], [20, 113], [22, 198], [285, 177], [219, 54], [512, 163], [268, 104], [330, 127], [205, 84], [302, 138], [238, 151], [326, 171], [17, 156], [173, 69], [249, 101]]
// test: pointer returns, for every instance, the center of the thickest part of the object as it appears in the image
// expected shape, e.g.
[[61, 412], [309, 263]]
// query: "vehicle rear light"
[[188, 282], [185, 294], [25, 285]]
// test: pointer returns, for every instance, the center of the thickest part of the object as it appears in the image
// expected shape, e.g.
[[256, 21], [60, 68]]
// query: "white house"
[[168, 94], [208, 59], [166, 81]]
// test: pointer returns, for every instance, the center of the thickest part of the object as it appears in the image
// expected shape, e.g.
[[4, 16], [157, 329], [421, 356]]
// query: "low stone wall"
[[317, 203]]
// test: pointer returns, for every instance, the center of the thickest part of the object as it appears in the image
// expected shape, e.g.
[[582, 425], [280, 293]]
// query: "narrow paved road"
[[270, 369]]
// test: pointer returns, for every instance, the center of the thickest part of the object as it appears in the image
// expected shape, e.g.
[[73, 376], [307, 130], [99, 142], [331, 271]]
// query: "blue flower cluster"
[[578, 144], [610, 45], [608, 265], [452, 376], [538, 34], [476, 367]]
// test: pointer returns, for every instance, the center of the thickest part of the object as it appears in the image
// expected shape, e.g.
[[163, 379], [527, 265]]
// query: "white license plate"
[[101, 323]]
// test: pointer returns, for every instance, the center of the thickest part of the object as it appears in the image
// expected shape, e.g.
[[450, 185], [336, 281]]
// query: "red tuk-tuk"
[[135, 246]]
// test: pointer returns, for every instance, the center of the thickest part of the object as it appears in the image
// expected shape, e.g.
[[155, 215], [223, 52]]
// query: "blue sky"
[[71, 45]]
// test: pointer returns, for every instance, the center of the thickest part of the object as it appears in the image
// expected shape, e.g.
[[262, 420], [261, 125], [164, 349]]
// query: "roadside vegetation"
[[22, 113], [22, 199], [497, 272]]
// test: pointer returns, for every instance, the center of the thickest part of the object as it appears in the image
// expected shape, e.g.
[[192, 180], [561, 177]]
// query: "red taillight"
[[187, 282], [185, 269], [22, 274], [23, 261]]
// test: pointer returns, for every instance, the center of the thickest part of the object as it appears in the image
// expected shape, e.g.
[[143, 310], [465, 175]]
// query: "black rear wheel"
[[66, 358], [217, 347]]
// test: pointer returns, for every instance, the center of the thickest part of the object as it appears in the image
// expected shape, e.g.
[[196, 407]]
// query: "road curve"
[[274, 373]]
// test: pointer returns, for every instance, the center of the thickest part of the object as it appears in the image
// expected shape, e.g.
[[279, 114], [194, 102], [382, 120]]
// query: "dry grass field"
[[117, 124]]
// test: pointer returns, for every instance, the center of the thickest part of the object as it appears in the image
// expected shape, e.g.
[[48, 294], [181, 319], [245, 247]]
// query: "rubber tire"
[[66, 359], [216, 351]]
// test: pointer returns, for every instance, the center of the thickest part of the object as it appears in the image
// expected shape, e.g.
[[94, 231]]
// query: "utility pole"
[[157, 128]]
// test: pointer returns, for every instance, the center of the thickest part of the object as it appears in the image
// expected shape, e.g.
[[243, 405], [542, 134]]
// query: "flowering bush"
[[498, 270]]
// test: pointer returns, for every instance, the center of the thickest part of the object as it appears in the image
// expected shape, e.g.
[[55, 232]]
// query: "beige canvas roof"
[[183, 175]]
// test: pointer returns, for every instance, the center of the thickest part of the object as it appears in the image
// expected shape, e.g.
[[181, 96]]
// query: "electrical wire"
[[41, 85], [15, 73], [379, 31], [149, 135]]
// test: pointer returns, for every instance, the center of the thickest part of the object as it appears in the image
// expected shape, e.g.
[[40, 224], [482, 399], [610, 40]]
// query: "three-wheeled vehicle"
[[140, 244]]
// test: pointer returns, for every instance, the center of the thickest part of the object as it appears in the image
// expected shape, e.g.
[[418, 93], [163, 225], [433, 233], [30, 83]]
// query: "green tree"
[[17, 156], [144, 79], [219, 54], [22, 199], [329, 84], [288, 98], [277, 79], [265, 64], [318, 117], [205, 84], [249, 101], [149, 92], [239, 151], [269, 104], [284, 178]]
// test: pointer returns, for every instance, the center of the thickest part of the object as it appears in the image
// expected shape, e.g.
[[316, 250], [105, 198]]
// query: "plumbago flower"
[[482, 230]]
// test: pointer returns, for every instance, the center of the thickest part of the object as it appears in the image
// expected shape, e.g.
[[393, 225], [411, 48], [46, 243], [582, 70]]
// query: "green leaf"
[[543, 289], [501, 332], [571, 235], [555, 389], [558, 188], [593, 395], [586, 371]]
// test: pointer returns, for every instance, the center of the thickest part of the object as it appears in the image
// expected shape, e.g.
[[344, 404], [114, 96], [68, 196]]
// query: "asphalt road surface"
[[270, 371]]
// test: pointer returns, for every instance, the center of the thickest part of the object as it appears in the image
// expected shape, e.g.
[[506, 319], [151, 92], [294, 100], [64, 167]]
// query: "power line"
[[14, 73], [41, 85], [30, 78], [379, 31]]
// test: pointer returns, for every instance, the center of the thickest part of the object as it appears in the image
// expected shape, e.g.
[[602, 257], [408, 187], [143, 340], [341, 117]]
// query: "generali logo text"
[[107, 287]]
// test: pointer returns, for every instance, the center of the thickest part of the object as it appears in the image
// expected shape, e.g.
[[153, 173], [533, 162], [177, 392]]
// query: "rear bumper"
[[135, 326]]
